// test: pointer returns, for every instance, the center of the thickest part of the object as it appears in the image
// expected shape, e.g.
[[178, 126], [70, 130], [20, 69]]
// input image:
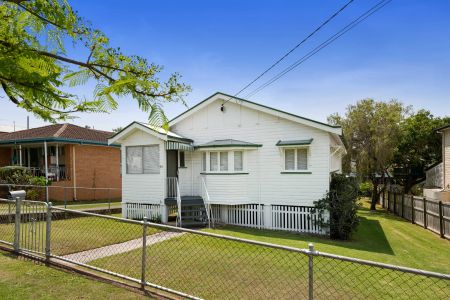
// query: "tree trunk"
[[374, 201]]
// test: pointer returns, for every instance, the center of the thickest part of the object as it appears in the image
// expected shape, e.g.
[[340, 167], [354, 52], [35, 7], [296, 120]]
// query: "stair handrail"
[[206, 202], [178, 203]]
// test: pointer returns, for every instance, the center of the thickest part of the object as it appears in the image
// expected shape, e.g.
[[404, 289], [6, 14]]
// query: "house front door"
[[172, 163]]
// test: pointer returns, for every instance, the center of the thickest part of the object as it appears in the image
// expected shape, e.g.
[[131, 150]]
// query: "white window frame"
[[207, 169], [142, 151], [296, 170]]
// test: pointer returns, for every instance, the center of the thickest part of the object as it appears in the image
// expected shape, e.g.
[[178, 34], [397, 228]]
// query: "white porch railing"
[[206, 201], [173, 191], [435, 177], [54, 173]]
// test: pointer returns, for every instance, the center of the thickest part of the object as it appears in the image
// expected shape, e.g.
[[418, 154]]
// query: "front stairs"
[[193, 212]]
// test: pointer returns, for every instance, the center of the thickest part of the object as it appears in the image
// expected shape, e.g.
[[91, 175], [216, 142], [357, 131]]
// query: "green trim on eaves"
[[294, 142], [205, 173], [258, 104], [54, 139]]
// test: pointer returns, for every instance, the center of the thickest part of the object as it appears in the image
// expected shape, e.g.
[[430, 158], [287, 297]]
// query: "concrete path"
[[93, 254]]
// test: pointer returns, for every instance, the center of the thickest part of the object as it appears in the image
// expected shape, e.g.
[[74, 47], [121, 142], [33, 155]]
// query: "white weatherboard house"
[[229, 160]]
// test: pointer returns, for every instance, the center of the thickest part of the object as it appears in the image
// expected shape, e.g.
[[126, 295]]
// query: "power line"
[[330, 40], [293, 49]]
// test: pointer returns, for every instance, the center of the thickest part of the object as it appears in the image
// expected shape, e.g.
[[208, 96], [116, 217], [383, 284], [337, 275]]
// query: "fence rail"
[[430, 214], [198, 264]]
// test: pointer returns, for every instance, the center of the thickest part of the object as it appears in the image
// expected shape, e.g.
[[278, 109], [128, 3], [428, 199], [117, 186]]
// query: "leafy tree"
[[418, 148], [117, 129], [342, 204], [36, 70], [371, 130]]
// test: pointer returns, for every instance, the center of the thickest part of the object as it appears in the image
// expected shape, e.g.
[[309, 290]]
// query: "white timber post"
[[164, 213], [46, 170], [74, 174], [20, 155], [267, 214], [57, 162]]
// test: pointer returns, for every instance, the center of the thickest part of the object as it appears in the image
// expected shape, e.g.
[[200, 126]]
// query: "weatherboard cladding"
[[227, 143]]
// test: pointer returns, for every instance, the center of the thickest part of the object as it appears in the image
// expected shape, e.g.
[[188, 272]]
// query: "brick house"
[[71, 156]]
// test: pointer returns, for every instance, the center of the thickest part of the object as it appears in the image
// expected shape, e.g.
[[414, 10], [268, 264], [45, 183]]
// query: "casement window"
[[296, 159], [238, 161], [204, 162], [223, 161], [142, 159]]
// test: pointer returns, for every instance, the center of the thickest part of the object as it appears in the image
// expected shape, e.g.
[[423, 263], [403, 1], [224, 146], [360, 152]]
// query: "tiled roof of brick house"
[[57, 132]]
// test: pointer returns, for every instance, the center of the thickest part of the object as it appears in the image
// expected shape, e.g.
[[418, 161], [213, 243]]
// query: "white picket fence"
[[137, 211], [276, 217]]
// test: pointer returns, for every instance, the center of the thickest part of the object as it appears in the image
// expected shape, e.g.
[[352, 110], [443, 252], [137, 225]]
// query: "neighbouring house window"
[[296, 159], [223, 161], [204, 161], [142, 159], [213, 161], [182, 159], [238, 161]]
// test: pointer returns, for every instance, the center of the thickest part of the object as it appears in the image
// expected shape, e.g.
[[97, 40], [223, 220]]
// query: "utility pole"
[[28, 122]]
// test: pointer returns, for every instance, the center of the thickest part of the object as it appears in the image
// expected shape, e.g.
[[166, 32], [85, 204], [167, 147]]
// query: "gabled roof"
[[66, 132], [259, 107], [227, 143], [443, 128], [155, 131]]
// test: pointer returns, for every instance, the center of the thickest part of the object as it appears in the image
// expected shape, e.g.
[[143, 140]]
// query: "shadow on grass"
[[369, 237]]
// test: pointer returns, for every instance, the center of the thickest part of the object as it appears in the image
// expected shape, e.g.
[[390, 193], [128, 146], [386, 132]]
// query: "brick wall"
[[96, 166], [5, 156]]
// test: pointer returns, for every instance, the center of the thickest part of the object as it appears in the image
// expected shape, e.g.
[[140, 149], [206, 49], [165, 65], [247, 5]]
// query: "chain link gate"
[[25, 225]]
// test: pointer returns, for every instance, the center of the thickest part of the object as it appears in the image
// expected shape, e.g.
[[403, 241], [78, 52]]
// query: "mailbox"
[[13, 195]]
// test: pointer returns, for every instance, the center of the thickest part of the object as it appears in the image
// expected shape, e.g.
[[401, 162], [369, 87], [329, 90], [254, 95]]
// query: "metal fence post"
[[109, 201], [17, 225], [144, 252], [48, 230], [441, 220], [395, 204], [403, 205], [311, 272], [425, 213]]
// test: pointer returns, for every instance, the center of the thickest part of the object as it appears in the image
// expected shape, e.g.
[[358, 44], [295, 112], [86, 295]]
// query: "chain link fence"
[[197, 264]]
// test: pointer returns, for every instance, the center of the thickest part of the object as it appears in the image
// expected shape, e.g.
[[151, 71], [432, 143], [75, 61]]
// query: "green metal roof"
[[227, 143], [294, 142]]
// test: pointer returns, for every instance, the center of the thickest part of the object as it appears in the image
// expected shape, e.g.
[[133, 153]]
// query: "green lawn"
[[92, 206], [380, 237], [76, 234], [215, 268], [23, 279]]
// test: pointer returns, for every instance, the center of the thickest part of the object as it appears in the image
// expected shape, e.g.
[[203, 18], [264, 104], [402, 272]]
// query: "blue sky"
[[400, 52]]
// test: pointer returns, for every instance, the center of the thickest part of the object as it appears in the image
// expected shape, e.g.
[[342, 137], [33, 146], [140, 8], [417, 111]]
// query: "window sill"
[[296, 172], [224, 173]]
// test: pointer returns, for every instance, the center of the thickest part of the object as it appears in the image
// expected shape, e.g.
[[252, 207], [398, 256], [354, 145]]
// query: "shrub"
[[22, 176], [15, 175], [341, 202], [365, 189]]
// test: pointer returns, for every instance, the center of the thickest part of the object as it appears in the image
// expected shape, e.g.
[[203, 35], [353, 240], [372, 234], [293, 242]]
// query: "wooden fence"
[[430, 214]]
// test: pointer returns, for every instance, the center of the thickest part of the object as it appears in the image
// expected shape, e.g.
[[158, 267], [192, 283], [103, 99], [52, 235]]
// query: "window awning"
[[177, 145], [228, 143], [294, 142]]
